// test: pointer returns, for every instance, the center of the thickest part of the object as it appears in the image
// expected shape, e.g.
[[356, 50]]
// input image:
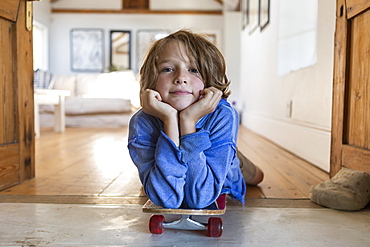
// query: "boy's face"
[[179, 82]]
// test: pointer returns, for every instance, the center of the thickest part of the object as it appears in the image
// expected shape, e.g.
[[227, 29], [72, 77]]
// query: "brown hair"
[[205, 55]]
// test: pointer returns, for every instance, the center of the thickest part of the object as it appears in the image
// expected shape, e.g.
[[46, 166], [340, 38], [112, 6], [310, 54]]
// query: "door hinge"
[[29, 14]]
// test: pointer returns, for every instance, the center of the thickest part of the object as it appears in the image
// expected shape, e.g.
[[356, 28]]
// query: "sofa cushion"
[[81, 106], [121, 84], [85, 84], [65, 82]]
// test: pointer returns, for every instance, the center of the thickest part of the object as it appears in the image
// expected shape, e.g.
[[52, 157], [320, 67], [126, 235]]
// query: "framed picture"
[[145, 38], [264, 13], [244, 12], [87, 50], [253, 14], [120, 50]]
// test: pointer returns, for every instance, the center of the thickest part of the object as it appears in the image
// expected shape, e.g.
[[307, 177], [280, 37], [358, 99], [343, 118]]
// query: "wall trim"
[[309, 142]]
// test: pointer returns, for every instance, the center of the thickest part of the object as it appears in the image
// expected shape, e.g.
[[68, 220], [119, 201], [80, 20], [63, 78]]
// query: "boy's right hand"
[[152, 104]]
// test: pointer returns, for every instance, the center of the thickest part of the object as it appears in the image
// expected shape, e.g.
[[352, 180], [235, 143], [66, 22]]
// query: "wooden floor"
[[94, 163]]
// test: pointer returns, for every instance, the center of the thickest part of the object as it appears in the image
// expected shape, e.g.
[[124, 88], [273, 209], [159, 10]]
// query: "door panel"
[[351, 91], [355, 7], [9, 165], [358, 83], [9, 9], [8, 89], [17, 142]]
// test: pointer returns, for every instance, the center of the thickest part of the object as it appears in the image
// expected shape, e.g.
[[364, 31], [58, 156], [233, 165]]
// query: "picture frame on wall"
[[120, 50], [264, 13], [253, 15], [87, 50], [145, 38]]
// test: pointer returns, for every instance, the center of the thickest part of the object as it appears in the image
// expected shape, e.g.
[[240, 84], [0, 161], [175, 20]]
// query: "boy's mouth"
[[180, 92]]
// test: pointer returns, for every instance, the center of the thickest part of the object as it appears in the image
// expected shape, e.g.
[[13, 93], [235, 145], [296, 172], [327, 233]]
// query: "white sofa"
[[96, 100]]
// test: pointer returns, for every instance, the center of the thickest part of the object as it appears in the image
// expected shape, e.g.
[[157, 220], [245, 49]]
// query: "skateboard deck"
[[150, 207], [157, 222]]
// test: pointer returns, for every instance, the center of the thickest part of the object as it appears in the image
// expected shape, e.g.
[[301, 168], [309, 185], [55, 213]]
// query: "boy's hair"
[[206, 57]]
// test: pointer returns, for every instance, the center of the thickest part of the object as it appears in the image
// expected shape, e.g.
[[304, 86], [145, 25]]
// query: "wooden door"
[[17, 142], [351, 93]]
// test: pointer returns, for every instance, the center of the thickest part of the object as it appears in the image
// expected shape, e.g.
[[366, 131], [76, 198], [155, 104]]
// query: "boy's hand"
[[152, 104], [210, 97]]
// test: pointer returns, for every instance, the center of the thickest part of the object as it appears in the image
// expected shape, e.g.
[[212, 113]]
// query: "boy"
[[183, 140]]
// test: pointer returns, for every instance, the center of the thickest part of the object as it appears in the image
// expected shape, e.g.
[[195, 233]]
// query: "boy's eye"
[[194, 70], [167, 70]]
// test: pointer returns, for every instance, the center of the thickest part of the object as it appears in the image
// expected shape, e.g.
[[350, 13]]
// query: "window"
[[297, 35], [40, 47]]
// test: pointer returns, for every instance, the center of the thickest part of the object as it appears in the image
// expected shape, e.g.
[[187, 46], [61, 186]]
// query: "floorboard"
[[286, 175], [95, 164]]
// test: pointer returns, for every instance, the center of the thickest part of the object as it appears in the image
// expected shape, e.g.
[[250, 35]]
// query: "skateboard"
[[214, 226]]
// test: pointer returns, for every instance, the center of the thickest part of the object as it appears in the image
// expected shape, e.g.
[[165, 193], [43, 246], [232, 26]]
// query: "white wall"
[[62, 24], [41, 12], [41, 24], [231, 51], [307, 132]]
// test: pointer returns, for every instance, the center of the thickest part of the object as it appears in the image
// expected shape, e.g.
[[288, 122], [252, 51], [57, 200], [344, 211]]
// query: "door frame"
[[17, 150], [342, 154]]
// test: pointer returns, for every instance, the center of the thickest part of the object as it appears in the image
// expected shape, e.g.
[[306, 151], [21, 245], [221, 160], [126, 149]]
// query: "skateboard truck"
[[157, 222], [185, 222]]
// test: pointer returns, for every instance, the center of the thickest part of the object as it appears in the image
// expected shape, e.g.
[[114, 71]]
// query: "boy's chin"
[[181, 107]]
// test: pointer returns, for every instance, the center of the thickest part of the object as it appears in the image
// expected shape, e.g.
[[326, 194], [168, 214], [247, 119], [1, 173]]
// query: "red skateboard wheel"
[[156, 224], [214, 227]]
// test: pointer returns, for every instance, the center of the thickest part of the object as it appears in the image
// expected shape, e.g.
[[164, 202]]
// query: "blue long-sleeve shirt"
[[194, 174]]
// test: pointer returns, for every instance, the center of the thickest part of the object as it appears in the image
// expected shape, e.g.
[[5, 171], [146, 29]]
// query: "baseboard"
[[309, 142]]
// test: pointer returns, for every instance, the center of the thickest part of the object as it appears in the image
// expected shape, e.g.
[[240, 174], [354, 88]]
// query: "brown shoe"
[[347, 190]]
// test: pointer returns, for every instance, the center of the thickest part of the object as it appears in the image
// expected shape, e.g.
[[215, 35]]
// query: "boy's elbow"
[[172, 202], [200, 203], [164, 196]]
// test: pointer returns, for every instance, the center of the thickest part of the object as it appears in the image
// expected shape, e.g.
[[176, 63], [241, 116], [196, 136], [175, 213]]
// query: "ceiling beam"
[[138, 11]]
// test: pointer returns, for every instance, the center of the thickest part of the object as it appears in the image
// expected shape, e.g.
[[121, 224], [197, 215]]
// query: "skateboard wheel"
[[156, 224], [214, 227]]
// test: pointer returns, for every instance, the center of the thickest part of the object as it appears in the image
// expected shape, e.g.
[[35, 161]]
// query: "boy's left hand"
[[210, 97]]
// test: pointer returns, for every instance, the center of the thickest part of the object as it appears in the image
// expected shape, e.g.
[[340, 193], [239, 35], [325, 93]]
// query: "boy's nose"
[[180, 81], [181, 78]]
